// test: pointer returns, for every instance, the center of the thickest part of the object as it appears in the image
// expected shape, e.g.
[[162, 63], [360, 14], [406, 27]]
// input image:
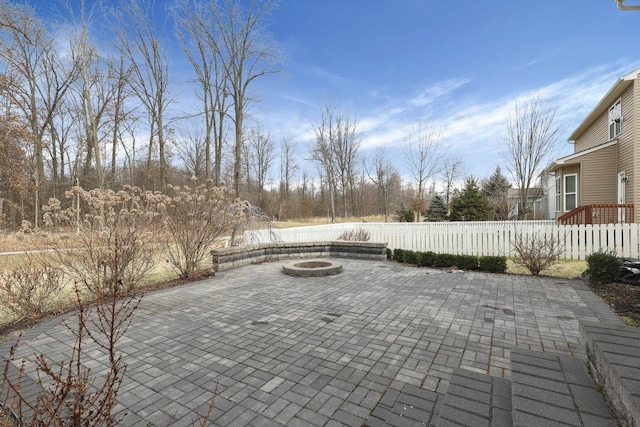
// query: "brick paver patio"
[[374, 344]]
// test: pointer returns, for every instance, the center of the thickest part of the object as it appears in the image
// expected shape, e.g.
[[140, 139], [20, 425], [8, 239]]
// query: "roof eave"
[[611, 96]]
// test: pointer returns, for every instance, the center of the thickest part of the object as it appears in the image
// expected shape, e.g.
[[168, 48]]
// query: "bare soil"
[[624, 299]]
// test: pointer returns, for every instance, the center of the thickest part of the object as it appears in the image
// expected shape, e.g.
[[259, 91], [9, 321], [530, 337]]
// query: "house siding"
[[633, 185], [598, 181], [597, 160], [596, 134]]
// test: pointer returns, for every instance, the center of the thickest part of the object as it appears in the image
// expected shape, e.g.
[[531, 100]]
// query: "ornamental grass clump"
[[358, 234]]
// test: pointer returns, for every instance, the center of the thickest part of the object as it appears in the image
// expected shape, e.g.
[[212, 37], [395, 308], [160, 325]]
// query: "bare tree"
[[36, 79], [120, 73], [141, 41], [192, 152], [288, 168], [100, 108], [288, 165], [322, 153], [261, 153], [529, 141], [382, 174], [335, 150], [451, 171], [14, 182], [423, 154], [199, 31], [90, 114], [345, 145], [248, 53]]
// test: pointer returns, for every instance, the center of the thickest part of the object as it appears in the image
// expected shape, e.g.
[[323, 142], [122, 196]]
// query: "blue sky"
[[459, 66]]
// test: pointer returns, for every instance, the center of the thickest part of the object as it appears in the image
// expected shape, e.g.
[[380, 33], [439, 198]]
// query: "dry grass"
[[162, 272], [565, 269], [322, 220], [17, 242]]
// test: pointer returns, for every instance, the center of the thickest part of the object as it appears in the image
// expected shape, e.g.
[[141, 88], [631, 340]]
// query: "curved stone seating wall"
[[224, 259]]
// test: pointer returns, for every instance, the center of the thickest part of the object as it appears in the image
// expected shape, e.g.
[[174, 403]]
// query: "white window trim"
[[558, 194], [615, 116], [565, 193]]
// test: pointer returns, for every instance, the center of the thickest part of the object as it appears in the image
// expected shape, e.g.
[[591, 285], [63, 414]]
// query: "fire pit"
[[312, 268]]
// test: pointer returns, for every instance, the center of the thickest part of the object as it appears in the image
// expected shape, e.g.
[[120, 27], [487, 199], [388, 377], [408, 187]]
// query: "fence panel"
[[472, 238]]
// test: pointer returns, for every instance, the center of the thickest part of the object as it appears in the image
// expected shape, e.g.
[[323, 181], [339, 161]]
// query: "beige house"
[[600, 181]]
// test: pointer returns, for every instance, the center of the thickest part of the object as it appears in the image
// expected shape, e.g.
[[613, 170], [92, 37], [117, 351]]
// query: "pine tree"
[[404, 214], [470, 204], [438, 210], [497, 190]]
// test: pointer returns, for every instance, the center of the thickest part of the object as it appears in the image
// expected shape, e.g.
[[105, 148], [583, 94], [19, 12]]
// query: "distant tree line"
[[87, 99]]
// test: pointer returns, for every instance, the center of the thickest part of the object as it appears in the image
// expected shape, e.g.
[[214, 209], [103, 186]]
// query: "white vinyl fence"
[[470, 238]]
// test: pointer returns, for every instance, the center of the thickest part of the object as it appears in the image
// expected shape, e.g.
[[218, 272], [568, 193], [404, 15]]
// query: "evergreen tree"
[[404, 214], [497, 184], [470, 204], [438, 210], [497, 190]]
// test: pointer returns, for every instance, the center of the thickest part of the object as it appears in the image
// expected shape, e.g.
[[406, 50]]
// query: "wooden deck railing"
[[599, 214]]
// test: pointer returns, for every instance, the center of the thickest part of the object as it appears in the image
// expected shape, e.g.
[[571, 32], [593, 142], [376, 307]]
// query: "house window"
[[558, 193], [570, 192], [615, 119]]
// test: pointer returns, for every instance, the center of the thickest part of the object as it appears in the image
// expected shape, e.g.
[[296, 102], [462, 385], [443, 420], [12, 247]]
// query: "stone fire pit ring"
[[312, 268]]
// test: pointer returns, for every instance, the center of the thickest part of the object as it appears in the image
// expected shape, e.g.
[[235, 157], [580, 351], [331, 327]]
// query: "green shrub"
[[467, 262], [445, 260], [398, 255], [493, 264], [426, 259], [603, 267], [410, 257], [389, 253]]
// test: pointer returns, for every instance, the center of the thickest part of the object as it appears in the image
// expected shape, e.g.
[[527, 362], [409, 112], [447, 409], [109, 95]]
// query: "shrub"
[[389, 253], [410, 257], [357, 234], [493, 264], [196, 217], [398, 255], [427, 259], [116, 232], [603, 267], [445, 260], [537, 252], [467, 262], [30, 290]]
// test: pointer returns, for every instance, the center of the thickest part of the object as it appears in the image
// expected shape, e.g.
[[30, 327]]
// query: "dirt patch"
[[623, 299]]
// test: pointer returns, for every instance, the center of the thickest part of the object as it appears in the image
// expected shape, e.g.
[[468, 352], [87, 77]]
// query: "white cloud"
[[472, 129], [437, 91]]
